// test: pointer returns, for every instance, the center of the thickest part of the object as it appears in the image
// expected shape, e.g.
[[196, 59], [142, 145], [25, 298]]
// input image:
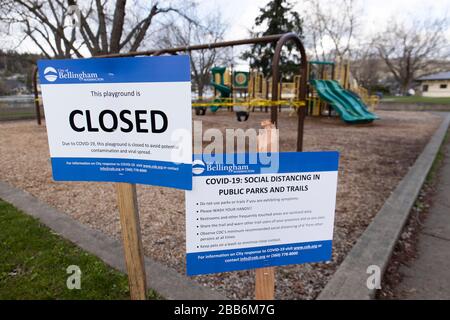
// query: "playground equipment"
[[348, 105], [251, 90], [255, 90], [344, 76], [336, 90], [225, 91], [248, 90]]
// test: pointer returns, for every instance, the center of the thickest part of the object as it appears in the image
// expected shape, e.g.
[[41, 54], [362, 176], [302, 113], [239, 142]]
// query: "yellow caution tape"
[[255, 103], [245, 103]]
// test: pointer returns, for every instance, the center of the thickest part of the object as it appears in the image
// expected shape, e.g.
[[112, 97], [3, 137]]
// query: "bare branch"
[[117, 26], [406, 48], [102, 26]]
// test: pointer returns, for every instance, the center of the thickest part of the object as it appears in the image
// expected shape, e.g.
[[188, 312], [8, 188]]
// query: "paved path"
[[428, 277]]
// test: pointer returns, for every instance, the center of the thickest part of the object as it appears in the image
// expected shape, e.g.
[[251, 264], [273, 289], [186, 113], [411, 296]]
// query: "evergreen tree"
[[279, 17]]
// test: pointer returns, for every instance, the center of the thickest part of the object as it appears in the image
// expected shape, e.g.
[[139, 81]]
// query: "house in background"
[[435, 85]]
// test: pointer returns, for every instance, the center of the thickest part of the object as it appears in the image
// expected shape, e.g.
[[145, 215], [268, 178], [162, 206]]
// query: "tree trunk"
[[117, 26], [200, 89], [404, 88]]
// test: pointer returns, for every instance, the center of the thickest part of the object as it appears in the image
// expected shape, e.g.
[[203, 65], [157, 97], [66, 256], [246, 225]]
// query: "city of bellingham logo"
[[198, 167], [50, 74]]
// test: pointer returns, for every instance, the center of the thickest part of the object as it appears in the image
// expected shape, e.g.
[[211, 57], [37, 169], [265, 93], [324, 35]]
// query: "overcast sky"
[[241, 14], [376, 14]]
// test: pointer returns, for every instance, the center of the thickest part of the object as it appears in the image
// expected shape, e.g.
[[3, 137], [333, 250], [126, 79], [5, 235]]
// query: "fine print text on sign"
[[243, 216], [119, 119]]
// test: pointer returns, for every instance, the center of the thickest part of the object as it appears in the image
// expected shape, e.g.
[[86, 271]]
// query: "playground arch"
[[279, 39]]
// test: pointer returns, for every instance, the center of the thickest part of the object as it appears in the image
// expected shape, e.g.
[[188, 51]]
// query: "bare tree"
[[185, 33], [366, 66], [407, 48], [334, 22], [102, 26]]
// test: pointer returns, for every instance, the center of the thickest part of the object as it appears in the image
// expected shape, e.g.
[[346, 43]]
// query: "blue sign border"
[[116, 70], [252, 163], [198, 263], [157, 173]]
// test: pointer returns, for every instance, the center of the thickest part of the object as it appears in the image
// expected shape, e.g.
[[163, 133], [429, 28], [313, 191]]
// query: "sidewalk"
[[428, 277]]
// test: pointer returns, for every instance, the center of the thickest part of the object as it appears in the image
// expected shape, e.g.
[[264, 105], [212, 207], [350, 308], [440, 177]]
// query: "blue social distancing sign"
[[242, 214]]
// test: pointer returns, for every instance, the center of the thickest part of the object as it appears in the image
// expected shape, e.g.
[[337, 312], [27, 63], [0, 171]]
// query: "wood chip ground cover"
[[374, 158]]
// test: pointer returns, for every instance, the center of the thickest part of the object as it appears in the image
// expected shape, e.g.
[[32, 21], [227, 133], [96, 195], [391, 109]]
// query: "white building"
[[435, 85]]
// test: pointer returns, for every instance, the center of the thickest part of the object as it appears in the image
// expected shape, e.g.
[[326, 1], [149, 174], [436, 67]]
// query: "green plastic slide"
[[349, 107], [225, 92]]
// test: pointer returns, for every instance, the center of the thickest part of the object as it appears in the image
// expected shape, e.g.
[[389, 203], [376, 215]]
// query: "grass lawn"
[[33, 263], [417, 99]]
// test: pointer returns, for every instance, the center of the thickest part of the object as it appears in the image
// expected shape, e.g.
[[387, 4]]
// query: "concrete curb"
[[377, 243], [166, 281]]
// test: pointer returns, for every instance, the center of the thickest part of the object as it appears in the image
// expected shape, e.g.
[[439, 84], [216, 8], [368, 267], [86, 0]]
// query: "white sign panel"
[[119, 119]]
